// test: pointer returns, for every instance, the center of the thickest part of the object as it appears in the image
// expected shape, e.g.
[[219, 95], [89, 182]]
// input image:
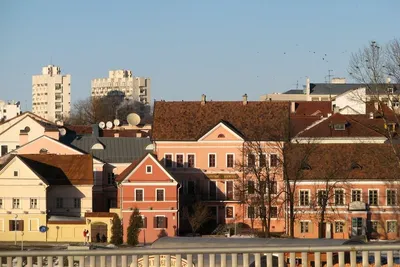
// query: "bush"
[[116, 231]]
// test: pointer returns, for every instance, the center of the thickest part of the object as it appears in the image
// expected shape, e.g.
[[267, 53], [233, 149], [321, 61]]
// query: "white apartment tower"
[[51, 94], [9, 110], [122, 82]]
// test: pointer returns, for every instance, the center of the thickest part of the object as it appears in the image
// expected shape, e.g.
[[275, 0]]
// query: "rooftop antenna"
[[329, 76]]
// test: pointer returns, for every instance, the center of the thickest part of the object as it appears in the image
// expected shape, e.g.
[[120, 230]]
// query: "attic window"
[[43, 151], [97, 146], [390, 90], [221, 136], [305, 166], [355, 166], [391, 126], [339, 127]]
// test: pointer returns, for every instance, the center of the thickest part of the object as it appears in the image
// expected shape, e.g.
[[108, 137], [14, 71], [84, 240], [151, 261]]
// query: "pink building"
[[148, 186]]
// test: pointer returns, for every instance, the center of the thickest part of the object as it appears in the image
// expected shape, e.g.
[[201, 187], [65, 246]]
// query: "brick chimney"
[[292, 107], [23, 137], [245, 99], [203, 99]]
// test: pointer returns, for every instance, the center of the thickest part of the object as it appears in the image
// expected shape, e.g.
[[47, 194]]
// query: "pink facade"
[[147, 186]]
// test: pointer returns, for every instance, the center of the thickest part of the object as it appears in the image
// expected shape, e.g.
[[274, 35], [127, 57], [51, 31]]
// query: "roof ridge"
[[312, 125]]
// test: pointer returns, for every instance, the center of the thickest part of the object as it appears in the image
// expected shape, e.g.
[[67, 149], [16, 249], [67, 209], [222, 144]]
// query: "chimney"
[[203, 99], [388, 80], [292, 107], [337, 80], [371, 115], [23, 137], [138, 134], [376, 105], [244, 99], [116, 134], [308, 86], [336, 109], [95, 130]]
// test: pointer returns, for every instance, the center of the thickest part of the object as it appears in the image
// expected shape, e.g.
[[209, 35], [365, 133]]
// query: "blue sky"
[[220, 48]]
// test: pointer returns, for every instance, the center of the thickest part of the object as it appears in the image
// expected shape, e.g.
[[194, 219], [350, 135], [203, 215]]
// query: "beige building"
[[51, 94], [122, 82], [9, 110]]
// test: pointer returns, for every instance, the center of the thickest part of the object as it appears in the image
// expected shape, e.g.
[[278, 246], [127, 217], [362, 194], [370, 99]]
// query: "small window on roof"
[[305, 166], [97, 146], [339, 127], [221, 136], [355, 166], [43, 151]]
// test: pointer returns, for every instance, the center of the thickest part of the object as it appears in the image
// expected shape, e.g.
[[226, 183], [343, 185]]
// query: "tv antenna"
[[329, 76]]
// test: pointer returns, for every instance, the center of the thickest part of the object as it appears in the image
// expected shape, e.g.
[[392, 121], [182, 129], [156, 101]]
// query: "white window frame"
[[151, 169], [361, 194], [29, 222], [165, 160], [17, 171], [176, 160], [387, 199], [226, 189], [216, 160], [187, 160], [343, 226], [344, 197], [309, 194], [19, 203], [317, 197], [255, 213], [308, 226], [226, 160], [339, 128], [143, 217], [373, 189], [255, 159], [372, 221], [269, 161], [2, 220], [155, 216], [163, 189], [30, 203], [387, 226], [233, 212], [136, 189]]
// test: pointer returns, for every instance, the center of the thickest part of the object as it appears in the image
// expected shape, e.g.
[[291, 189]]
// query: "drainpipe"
[[178, 211]]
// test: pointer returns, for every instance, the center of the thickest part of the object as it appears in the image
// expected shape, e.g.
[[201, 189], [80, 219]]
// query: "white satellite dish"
[[102, 125], [133, 119], [62, 131], [116, 122], [109, 124]]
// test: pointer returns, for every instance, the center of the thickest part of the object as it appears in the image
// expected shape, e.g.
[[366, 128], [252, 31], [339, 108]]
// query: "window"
[[273, 187], [168, 160], [391, 226], [77, 203], [250, 187], [211, 160], [374, 226], [160, 194], [339, 127], [149, 169], [263, 212], [304, 198], [273, 159], [111, 178], [251, 212], [229, 212], [59, 203], [229, 161], [138, 194], [191, 161], [373, 197], [16, 203], [191, 187], [160, 222], [355, 195], [391, 197], [339, 197], [251, 160], [4, 150], [263, 160], [34, 204], [1, 203], [304, 227], [274, 212], [212, 190], [321, 195], [262, 187], [179, 161], [229, 190], [15, 173], [16, 225], [339, 227], [221, 136], [144, 222]]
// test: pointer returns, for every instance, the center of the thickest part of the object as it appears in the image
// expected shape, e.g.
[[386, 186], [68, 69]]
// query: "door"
[[357, 226], [98, 232]]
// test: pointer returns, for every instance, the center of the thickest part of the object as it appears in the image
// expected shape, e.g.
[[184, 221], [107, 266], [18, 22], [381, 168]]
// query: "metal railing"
[[329, 256]]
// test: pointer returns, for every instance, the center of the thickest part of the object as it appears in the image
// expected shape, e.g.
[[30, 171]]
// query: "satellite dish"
[[133, 119], [109, 124], [62, 131], [102, 125], [116, 122]]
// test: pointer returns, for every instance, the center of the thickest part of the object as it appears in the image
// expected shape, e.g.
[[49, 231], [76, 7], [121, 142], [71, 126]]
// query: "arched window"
[[43, 151], [221, 136]]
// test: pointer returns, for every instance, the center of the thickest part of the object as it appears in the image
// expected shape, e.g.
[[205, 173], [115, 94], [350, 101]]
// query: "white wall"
[[355, 99]]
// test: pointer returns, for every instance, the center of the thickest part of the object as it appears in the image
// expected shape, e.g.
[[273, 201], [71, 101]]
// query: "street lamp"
[[15, 229]]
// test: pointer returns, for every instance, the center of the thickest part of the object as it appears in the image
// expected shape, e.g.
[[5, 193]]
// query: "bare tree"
[[197, 215]]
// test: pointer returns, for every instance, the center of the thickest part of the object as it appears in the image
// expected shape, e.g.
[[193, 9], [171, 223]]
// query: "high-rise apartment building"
[[51, 94], [122, 82], [9, 110]]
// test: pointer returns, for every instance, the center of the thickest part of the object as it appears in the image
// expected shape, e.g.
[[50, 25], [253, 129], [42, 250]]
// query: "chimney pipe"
[[308, 86], [203, 99], [245, 99], [292, 107]]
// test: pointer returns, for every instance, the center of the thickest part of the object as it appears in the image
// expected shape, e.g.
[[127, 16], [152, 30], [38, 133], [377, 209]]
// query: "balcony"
[[225, 254]]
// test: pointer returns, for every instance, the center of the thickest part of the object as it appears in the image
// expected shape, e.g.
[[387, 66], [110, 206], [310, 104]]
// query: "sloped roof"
[[61, 169], [313, 108], [300, 123], [87, 130], [294, 92], [116, 150], [335, 161], [190, 120]]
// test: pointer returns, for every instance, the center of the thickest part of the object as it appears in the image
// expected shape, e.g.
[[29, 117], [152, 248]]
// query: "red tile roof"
[[313, 108], [190, 120], [61, 169], [299, 123]]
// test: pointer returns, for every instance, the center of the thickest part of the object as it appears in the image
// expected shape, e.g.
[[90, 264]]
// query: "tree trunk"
[[291, 215]]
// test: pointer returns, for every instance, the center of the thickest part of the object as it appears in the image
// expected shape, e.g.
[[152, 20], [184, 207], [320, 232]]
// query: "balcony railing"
[[355, 255]]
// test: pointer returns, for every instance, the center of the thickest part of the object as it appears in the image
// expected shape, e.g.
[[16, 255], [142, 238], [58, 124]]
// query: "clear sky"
[[222, 48]]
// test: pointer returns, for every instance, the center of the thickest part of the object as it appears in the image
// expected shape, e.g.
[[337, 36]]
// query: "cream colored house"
[[9, 110]]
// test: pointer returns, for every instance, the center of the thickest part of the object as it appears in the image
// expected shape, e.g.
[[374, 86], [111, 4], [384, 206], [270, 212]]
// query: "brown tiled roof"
[[188, 121], [356, 126], [370, 107], [313, 108], [300, 123], [79, 129], [61, 169], [338, 161], [99, 214]]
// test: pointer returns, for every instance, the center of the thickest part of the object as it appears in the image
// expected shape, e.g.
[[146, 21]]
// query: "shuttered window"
[[16, 225]]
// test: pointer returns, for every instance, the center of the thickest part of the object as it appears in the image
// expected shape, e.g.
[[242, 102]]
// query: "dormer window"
[[355, 166], [43, 151], [390, 90], [305, 166], [221, 136], [391, 126], [98, 146], [339, 126]]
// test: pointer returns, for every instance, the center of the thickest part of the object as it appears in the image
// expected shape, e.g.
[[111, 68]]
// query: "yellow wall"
[[66, 233], [32, 222]]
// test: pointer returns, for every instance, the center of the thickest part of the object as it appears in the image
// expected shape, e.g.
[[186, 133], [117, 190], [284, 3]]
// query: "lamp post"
[[15, 229]]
